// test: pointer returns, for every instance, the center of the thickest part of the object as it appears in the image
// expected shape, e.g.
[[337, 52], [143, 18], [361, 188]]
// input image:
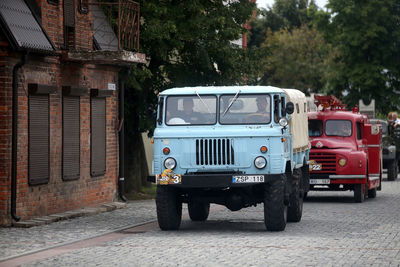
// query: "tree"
[[284, 14], [187, 43], [298, 59], [367, 35]]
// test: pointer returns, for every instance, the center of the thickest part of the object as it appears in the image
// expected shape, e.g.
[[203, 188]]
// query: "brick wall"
[[57, 195], [5, 131]]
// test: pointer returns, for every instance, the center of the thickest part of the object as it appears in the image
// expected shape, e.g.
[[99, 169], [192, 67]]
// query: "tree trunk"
[[136, 171]]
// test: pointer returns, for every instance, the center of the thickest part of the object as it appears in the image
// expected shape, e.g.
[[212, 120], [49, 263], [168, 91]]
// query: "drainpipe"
[[121, 178], [15, 137]]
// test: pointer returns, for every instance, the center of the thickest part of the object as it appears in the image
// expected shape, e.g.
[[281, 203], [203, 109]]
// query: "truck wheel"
[[359, 193], [372, 193], [392, 171], [198, 211], [295, 209], [169, 208], [275, 211]]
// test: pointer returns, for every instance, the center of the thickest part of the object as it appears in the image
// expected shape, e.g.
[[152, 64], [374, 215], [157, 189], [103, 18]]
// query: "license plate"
[[237, 179], [320, 181]]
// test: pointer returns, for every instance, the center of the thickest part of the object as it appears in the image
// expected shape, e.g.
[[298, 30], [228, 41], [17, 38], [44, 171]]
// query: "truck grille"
[[327, 160], [214, 152]]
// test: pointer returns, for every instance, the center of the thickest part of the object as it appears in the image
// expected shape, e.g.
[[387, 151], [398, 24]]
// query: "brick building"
[[59, 111]]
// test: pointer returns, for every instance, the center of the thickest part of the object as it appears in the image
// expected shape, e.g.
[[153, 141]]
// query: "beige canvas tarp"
[[299, 122]]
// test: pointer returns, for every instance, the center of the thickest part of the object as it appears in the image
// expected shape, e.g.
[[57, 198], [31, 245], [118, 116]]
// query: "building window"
[[53, 2], [69, 24], [39, 149], [71, 138], [83, 6], [98, 136]]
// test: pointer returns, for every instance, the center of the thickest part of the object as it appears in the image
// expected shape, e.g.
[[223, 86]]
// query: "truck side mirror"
[[289, 108]]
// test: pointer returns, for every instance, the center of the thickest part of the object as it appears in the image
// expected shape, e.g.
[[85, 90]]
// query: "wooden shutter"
[[71, 137], [98, 136], [38, 139]]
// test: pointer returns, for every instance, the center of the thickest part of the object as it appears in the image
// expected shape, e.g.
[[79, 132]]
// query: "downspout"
[[14, 152], [121, 178]]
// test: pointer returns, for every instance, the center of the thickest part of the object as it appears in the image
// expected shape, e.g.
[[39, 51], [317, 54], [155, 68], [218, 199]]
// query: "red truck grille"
[[327, 160]]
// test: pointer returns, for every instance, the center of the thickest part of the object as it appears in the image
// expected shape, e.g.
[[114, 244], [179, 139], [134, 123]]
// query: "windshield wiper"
[[232, 101], [204, 103]]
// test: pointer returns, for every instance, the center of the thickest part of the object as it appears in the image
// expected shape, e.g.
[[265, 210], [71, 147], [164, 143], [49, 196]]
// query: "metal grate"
[[214, 152], [327, 160]]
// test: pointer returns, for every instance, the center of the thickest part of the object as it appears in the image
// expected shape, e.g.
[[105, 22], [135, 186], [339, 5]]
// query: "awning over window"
[[21, 27], [104, 35]]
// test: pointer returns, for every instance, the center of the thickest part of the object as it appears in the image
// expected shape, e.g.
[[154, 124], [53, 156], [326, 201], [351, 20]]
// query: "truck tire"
[[359, 193], [295, 209], [169, 208], [306, 179], [275, 210], [392, 171], [198, 211], [372, 193]]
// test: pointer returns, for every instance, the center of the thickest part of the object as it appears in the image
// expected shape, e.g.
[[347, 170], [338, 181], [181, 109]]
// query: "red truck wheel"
[[359, 193]]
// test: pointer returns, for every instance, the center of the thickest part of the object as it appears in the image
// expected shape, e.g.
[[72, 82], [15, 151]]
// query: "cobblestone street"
[[334, 231]]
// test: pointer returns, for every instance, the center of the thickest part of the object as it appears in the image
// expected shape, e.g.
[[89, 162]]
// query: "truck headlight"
[[260, 162], [342, 162], [170, 163], [283, 122]]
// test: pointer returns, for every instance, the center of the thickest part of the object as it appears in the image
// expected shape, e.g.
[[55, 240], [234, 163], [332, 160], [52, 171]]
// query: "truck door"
[[373, 136]]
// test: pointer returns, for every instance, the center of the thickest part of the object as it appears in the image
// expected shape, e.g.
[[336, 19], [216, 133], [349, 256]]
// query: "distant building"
[[367, 109], [59, 85]]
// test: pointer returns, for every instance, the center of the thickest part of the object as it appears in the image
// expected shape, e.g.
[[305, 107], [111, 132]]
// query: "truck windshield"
[[315, 127], [245, 109], [338, 128], [191, 109]]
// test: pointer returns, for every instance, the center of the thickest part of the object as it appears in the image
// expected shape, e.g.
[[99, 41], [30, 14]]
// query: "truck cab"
[[346, 150], [232, 146]]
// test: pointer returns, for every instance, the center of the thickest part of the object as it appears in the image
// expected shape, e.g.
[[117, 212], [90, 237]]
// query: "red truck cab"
[[345, 150]]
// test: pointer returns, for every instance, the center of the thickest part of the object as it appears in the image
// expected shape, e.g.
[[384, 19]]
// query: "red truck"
[[346, 151]]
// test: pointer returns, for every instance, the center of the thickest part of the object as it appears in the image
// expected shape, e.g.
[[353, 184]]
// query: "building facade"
[[59, 119]]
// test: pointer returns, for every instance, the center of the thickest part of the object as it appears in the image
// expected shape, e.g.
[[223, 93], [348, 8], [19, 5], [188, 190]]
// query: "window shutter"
[[69, 13], [38, 139], [98, 136], [71, 137]]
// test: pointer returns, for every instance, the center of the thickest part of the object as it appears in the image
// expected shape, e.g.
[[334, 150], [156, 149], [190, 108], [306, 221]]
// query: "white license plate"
[[320, 181], [236, 179]]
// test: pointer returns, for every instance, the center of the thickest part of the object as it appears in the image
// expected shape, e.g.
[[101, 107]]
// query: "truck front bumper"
[[215, 180]]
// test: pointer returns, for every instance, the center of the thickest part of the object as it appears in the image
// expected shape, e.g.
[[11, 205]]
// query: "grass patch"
[[145, 193]]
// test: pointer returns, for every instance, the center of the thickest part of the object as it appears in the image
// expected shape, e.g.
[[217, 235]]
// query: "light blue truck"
[[236, 146]]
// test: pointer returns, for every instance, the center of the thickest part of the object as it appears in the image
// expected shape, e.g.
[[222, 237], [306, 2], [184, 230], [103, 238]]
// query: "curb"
[[86, 211]]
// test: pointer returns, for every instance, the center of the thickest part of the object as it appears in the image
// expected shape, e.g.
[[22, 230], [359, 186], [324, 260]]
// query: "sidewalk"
[[73, 226]]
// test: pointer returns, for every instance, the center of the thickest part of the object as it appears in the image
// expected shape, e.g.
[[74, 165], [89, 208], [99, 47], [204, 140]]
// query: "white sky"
[[264, 3]]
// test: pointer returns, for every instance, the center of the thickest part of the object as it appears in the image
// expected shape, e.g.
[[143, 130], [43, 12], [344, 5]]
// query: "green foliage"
[[187, 43], [298, 59], [284, 14], [367, 35]]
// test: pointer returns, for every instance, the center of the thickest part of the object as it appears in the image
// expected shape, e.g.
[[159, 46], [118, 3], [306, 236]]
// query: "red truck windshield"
[[332, 128]]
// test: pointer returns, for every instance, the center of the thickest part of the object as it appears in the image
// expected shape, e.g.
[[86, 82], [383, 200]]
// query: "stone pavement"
[[73, 226], [334, 231]]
